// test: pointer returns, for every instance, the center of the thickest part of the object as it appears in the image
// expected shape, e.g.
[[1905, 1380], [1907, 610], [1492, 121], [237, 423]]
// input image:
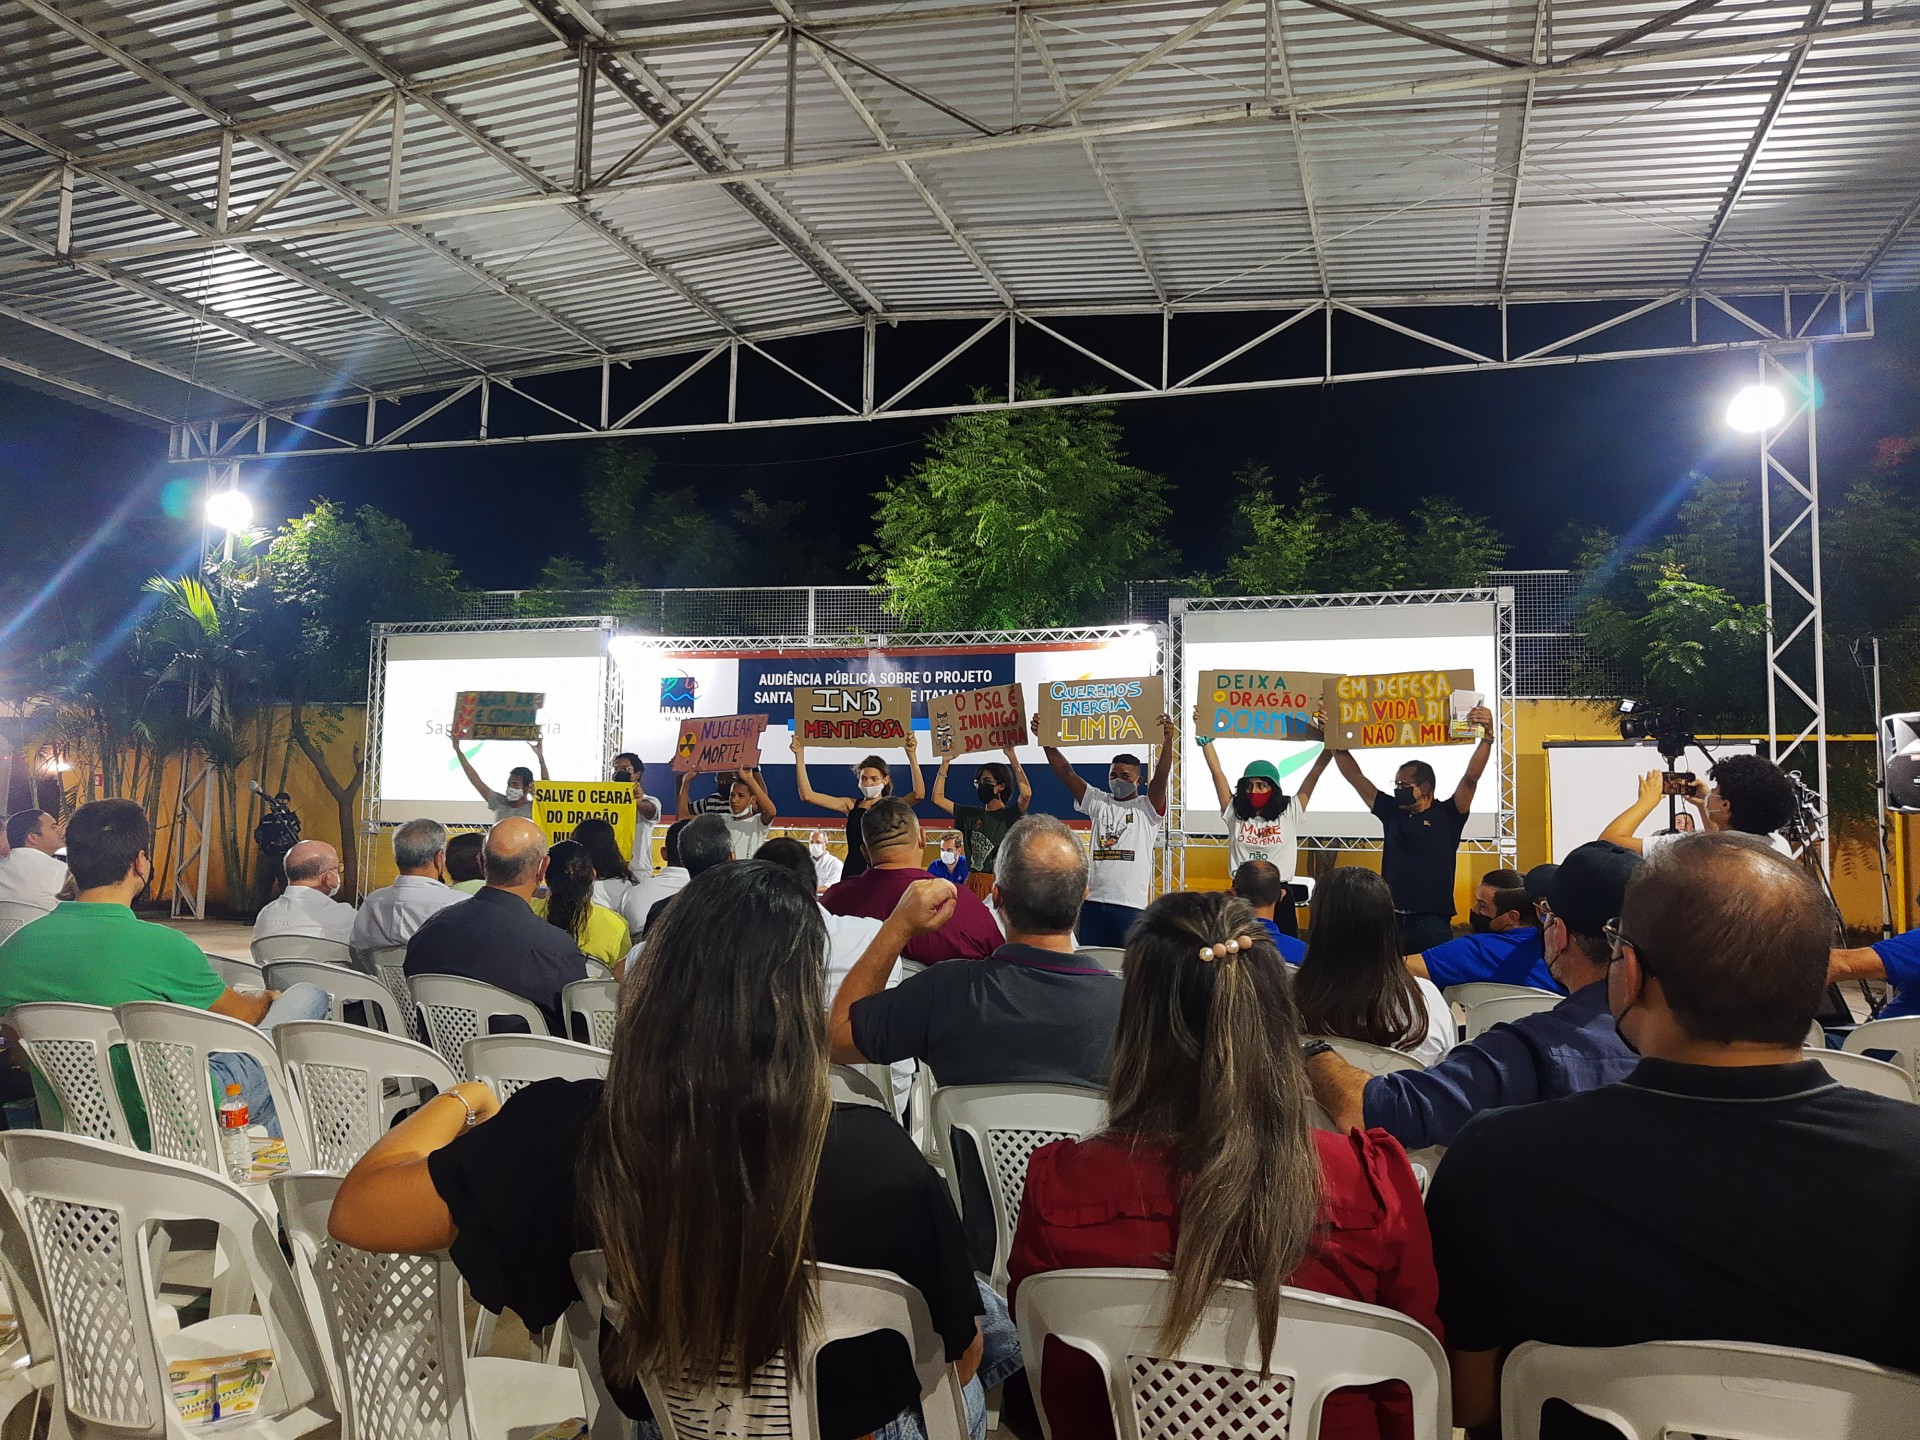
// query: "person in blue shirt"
[[1895, 960], [1571, 1048], [1261, 885], [1505, 947], [951, 862]]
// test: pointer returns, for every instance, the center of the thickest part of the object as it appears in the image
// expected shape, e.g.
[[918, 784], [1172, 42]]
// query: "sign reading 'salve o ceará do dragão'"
[[991, 718], [497, 715], [1365, 712], [1102, 712], [559, 805], [718, 742], [852, 714]]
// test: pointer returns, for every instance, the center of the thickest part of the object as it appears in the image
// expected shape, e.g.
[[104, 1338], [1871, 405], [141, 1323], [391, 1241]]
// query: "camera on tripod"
[[1667, 726]]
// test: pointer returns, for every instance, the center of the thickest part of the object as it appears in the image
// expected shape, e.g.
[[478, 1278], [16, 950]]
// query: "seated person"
[[109, 849], [1702, 1190], [895, 851], [31, 870], [704, 843], [391, 914], [1505, 946], [1353, 985], [307, 906], [464, 870], [827, 866], [1259, 883], [569, 905], [708, 1167], [1209, 1158], [1895, 960], [1562, 1051], [612, 872], [639, 902], [494, 936]]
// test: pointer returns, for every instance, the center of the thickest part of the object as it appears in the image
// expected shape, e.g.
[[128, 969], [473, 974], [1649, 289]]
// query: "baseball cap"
[[1539, 878], [1263, 770], [1591, 883]]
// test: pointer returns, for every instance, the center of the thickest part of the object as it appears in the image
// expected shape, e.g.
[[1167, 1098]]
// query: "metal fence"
[[1550, 657]]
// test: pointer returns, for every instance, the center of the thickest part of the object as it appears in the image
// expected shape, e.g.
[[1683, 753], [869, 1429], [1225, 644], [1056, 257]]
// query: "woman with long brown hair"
[[1210, 1157], [571, 904], [1352, 983], [711, 1167], [873, 777]]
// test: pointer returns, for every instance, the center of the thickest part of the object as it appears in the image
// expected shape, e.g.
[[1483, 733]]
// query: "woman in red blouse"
[[1210, 1166]]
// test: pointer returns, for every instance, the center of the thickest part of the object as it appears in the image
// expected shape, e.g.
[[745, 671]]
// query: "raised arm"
[[1476, 762], [839, 804], [1350, 772], [1163, 767], [540, 757], [761, 801], [1063, 772], [1313, 778], [473, 775], [1620, 829], [940, 801], [1022, 786], [923, 908], [913, 768], [1222, 791], [681, 800]]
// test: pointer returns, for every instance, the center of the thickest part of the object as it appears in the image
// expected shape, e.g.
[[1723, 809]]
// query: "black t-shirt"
[[877, 1204], [1686, 1203], [1417, 853], [856, 861]]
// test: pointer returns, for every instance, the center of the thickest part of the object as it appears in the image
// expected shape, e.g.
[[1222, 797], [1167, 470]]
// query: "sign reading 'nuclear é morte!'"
[[718, 742]]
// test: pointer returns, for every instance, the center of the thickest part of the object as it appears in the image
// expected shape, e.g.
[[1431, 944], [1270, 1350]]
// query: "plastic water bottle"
[[236, 1149]]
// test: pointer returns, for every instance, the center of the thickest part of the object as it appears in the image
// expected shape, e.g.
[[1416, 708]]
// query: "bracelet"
[[1203, 741], [472, 1118]]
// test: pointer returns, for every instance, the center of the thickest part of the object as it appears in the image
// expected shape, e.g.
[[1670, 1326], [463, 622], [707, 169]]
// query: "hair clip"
[[1221, 949]]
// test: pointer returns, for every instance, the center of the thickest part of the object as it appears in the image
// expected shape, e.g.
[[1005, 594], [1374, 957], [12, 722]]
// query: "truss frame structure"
[[190, 850]]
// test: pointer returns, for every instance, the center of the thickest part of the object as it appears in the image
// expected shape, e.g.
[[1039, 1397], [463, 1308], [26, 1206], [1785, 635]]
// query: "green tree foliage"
[[1017, 518]]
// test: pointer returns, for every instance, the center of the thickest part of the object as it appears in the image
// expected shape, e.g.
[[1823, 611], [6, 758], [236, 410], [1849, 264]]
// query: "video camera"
[[1667, 726]]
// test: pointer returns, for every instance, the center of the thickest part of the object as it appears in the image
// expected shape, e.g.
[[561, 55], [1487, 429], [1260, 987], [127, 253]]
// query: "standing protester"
[[517, 798], [1262, 822], [646, 811], [1004, 795], [1124, 824], [1421, 836], [746, 809], [874, 778]]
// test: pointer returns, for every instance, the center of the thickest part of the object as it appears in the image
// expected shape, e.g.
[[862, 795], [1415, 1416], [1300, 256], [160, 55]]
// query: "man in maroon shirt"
[[891, 834]]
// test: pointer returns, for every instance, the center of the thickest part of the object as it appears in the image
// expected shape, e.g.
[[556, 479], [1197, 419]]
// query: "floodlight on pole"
[[1757, 408], [229, 510]]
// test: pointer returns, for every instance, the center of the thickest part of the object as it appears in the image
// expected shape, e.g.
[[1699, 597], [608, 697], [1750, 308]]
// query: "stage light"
[[1756, 408], [229, 510]]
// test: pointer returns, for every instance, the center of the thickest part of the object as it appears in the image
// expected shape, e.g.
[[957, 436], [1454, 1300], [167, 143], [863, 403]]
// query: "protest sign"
[[1260, 704], [559, 805], [1102, 712], [968, 720], [718, 742], [852, 715], [497, 715], [1365, 712]]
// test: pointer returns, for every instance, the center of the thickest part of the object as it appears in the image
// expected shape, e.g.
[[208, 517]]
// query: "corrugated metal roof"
[[857, 160]]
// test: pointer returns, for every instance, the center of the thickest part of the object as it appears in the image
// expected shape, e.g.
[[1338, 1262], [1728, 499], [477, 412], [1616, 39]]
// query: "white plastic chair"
[[239, 974], [269, 948], [16, 913], [1706, 1387], [1483, 1015], [170, 1045], [852, 1303], [340, 1071], [1474, 991], [93, 1211], [1210, 1386], [343, 986], [863, 1085], [1108, 957], [1007, 1123], [509, 1063], [1374, 1059], [1900, 1035], [592, 1008], [1863, 1072], [71, 1046], [598, 969], [454, 1010], [388, 965], [28, 1364], [393, 1326]]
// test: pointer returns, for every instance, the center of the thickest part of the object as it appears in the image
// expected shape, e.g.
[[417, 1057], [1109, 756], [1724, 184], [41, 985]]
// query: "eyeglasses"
[[1617, 941]]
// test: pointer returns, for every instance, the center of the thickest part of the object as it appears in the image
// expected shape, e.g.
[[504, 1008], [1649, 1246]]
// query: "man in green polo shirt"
[[93, 951]]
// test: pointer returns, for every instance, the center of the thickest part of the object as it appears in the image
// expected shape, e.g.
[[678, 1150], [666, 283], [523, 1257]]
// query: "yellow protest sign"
[[559, 805]]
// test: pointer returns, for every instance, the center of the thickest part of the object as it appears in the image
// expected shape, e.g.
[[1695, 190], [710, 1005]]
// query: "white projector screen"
[[1591, 781], [419, 776], [1337, 640]]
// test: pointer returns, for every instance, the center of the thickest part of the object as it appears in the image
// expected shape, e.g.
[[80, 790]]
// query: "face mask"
[[948, 855], [1121, 789], [740, 809], [872, 792], [626, 775], [515, 794], [816, 849], [1404, 797], [986, 790], [1480, 923]]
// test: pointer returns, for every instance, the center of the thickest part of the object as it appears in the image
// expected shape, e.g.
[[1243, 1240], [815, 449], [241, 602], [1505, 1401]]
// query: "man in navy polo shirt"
[[1260, 884], [1895, 960], [1506, 947]]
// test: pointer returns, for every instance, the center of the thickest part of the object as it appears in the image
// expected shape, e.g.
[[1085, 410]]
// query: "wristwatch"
[[1311, 1048]]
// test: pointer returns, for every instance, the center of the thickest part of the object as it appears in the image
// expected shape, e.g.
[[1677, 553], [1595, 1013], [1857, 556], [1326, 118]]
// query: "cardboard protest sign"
[[497, 715], [1365, 712], [1260, 704], [559, 805], [852, 714], [1102, 712], [968, 720], [718, 742]]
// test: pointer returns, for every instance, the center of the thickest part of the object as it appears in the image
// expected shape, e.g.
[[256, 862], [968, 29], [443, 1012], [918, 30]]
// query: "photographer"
[[1748, 794]]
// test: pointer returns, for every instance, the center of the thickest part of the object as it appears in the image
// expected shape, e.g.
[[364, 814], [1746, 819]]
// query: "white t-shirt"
[[303, 910], [642, 864], [827, 869], [1124, 832], [31, 877], [1653, 843], [612, 893], [635, 904], [749, 832], [1441, 1035], [847, 939], [1276, 840]]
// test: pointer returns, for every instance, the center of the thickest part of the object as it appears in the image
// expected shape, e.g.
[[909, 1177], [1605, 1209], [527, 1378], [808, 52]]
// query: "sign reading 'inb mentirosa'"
[[852, 714], [1102, 712]]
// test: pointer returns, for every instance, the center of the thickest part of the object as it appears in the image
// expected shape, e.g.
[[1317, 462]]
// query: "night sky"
[[1538, 451]]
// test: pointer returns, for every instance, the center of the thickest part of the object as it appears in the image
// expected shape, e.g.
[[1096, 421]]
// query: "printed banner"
[[1102, 712], [497, 715], [866, 715], [1261, 705], [559, 805], [970, 720], [718, 742], [1365, 712]]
